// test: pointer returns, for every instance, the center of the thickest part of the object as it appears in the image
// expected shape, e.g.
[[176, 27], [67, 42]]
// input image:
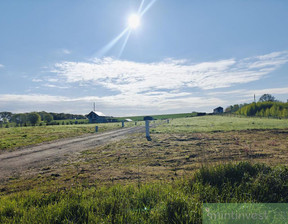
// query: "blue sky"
[[188, 55]]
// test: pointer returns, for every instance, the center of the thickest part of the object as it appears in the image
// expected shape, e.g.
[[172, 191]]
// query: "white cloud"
[[245, 92], [247, 95], [52, 79], [66, 51], [36, 98], [270, 91], [147, 88], [55, 86], [37, 80], [1, 66], [136, 77]]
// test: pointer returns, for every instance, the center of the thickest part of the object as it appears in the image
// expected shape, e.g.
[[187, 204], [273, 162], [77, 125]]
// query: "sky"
[[187, 55]]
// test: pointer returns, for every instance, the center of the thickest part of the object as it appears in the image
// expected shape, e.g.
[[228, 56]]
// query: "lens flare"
[[134, 21]]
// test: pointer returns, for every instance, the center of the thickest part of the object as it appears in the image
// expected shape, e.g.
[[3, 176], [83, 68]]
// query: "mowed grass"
[[219, 123], [15, 137]]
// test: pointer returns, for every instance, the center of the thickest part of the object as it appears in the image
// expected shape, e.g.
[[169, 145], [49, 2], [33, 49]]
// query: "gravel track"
[[33, 158]]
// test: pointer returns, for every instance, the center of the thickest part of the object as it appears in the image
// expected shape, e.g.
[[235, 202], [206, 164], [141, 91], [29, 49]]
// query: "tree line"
[[265, 109], [267, 106], [36, 118]]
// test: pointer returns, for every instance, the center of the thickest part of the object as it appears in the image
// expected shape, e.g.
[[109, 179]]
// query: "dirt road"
[[34, 158]]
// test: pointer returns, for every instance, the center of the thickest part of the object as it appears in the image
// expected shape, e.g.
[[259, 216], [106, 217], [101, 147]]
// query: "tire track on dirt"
[[47, 154]]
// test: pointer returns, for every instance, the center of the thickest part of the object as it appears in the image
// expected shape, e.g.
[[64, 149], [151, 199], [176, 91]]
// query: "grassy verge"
[[177, 202]]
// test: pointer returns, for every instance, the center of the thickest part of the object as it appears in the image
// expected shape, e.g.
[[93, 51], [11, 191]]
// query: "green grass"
[[219, 123], [79, 198], [12, 138], [160, 117], [15, 137], [176, 202], [71, 121]]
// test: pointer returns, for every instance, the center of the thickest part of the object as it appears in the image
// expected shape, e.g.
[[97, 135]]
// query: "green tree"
[[284, 113], [6, 115], [229, 109], [232, 109], [273, 111], [235, 108], [267, 98], [34, 118], [48, 118], [262, 113], [19, 119], [267, 112], [251, 109], [23, 119]]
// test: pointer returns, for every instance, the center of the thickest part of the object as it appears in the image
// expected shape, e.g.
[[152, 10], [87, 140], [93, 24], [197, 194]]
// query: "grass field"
[[220, 123], [160, 117], [189, 161], [15, 137]]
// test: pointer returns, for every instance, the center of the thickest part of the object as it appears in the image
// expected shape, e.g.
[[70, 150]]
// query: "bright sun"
[[134, 21]]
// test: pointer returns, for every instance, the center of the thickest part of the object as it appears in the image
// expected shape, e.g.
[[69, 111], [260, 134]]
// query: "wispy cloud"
[[1, 66], [245, 92], [65, 51], [37, 80], [55, 86], [147, 88], [37, 98], [247, 95], [136, 77], [271, 91]]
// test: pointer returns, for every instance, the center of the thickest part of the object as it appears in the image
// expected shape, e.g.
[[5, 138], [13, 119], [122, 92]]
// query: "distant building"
[[98, 117], [218, 110]]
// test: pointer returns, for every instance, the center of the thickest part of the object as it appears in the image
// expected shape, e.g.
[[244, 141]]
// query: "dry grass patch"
[[166, 158]]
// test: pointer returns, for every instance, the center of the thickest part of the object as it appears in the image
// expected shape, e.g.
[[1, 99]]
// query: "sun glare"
[[134, 21]]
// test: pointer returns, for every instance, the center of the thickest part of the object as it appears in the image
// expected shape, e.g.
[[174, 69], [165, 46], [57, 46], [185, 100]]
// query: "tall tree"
[[34, 118], [267, 98], [19, 118], [6, 115], [285, 113], [48, 118]]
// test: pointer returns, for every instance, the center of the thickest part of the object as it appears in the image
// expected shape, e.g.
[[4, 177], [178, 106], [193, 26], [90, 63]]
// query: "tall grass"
[[177, 202]]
